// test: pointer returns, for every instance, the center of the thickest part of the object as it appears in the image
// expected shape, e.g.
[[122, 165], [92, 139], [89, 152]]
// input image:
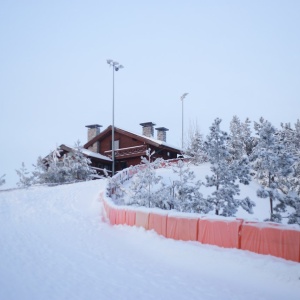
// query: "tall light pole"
[[116, 67], [182, 98]]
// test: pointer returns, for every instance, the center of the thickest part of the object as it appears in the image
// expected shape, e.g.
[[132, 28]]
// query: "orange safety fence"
[[272, 239], [259, 237], [130, 217], [221, 233], [112, 216], [142, 219], [179, 228], [121, 217], [158, 222]]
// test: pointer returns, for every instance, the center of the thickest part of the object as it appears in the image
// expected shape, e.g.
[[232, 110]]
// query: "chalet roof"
[[86, 152], [142, 138]]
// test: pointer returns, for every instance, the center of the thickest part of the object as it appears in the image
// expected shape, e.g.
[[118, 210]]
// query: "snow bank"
[[54, 244]]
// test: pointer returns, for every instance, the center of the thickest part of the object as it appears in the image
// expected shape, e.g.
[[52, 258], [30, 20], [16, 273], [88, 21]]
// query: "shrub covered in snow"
[[58, 169]]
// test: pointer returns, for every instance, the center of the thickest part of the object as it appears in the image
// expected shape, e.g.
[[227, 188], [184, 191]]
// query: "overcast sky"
[[232, 57]]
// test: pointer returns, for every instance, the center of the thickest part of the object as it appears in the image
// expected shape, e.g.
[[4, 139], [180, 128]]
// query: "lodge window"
[[117, 145]]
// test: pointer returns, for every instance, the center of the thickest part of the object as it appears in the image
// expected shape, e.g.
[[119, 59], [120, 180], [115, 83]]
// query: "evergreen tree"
[[292, 199], [115, 189], [79, 164], [56, 169], [272, 162], [40, 171], [195, 146], [164, 197], [225, 174], [290, 185], [240, 141], [236, 142], [145, 179], [187, 197], [248, 140], [25, 179]]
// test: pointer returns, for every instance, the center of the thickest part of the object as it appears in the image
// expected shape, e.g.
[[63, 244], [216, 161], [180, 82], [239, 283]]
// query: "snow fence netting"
[[180, 228], [222, 233], [272, 239], [158, 222], [142, 219], [130, 217]]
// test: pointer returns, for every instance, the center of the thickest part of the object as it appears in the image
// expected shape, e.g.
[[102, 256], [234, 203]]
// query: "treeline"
[[270, 156]]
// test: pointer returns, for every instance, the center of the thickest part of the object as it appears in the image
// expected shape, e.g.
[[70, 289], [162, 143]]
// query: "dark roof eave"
[[145, 140]]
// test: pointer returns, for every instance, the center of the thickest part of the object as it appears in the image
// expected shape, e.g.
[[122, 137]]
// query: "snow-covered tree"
[[40, 171], [272, 162], [195, 146], [2, 179], [240, 142], [292, 199], [145, 179], [59, 169], [115, 189], [164, 196], [236, 145], [79, 164], [187, 196], [290, 185], [225, 174], [25, 177], [248, 140]]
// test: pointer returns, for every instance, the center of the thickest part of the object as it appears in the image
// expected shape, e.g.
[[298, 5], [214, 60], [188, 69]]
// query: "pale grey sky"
[[232, 57]]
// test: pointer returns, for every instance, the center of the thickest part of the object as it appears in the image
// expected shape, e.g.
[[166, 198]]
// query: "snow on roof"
[[153, 140], [94, 154], [91, 153]]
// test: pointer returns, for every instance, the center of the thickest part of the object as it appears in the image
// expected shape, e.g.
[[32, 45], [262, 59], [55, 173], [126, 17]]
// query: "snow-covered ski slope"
[[54, 244]]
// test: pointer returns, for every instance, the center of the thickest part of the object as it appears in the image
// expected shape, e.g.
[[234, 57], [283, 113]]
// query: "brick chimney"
[[162, 133], [93, 131], [148, 129]]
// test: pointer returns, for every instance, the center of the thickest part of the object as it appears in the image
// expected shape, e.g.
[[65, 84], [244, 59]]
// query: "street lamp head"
[[118, 67], [183, 96], [114, 64]]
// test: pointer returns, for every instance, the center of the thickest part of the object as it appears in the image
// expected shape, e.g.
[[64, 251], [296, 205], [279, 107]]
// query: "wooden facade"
[[129, 147]]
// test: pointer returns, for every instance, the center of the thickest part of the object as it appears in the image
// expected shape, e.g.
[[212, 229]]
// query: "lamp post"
[[116, 67], [182, 98]]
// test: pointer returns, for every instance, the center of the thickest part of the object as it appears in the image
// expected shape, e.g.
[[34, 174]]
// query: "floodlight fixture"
[[116, 66], [182, 98]]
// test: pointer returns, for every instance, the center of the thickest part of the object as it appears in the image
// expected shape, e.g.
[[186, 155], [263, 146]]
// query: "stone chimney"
[[162, 133], [148, 129], [93, 130]]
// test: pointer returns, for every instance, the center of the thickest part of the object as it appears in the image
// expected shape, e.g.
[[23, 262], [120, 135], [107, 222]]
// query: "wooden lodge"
[[129, 147]]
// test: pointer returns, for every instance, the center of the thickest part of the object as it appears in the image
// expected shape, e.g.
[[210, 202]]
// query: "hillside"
[[260, 212], [54, 244]]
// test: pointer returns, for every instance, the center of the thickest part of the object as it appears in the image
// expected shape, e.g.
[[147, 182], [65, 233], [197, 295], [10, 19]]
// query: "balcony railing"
[[127, 152]]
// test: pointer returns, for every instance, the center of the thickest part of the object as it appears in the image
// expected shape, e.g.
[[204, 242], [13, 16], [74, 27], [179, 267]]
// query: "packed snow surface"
[[55, 244]]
